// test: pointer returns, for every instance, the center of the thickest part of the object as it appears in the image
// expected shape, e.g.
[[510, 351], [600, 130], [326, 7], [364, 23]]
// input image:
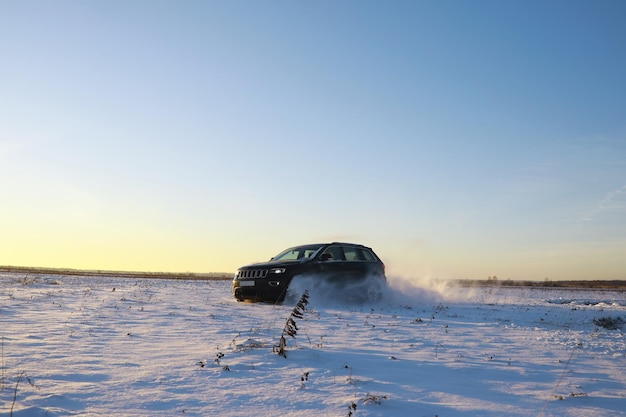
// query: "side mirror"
[[325, 257]]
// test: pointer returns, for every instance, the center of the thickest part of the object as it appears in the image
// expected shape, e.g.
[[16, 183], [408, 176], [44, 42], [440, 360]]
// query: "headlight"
[[277, 270]]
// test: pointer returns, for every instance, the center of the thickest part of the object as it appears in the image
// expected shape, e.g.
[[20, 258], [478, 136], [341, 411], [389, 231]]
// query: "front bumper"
[[267, 290]]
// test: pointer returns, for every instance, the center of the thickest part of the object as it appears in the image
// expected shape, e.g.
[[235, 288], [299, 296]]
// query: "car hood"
[[274, 264]]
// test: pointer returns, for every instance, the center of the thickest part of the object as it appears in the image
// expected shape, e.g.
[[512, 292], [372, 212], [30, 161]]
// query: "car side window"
[[352, 253], [335, 252]]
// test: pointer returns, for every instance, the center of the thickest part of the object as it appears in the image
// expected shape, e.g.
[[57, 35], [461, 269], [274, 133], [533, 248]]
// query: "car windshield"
[[297, 253]]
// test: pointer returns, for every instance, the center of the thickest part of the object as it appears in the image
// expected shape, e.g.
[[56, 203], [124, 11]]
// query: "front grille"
[[252, 273]]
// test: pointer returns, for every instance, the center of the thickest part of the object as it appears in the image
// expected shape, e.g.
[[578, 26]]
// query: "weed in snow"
[[291, 329], [304, 379], [609, 323]]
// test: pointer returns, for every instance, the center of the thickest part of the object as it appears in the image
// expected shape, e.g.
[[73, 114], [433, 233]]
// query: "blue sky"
[[458, 139]]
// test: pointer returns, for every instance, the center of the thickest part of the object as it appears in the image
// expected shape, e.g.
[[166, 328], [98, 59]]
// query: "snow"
[[144, 347]]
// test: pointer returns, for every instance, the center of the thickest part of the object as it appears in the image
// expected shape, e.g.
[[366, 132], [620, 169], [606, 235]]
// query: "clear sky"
[[459, 139]]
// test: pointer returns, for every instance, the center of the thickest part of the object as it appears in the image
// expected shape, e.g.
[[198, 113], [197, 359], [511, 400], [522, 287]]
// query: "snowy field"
[[89, 346]]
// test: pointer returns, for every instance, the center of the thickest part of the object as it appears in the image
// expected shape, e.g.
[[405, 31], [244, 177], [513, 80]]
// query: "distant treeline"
[[121, 274], [489, 282], [589, 284]]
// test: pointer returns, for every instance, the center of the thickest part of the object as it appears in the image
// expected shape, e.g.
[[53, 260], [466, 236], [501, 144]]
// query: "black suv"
[[340, 264]]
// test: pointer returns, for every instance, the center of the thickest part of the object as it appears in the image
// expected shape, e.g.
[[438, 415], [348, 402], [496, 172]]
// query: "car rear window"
[[368, 255], [352, 254], [357, 254]]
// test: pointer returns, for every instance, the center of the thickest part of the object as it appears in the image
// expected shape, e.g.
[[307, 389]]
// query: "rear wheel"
[[376, 288]]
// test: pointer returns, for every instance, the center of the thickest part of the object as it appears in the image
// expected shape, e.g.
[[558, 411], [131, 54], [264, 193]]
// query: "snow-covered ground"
[[145, 347]]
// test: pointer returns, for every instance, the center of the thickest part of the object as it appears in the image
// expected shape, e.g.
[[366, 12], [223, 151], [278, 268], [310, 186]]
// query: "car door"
[[355, 265], [332, 263]]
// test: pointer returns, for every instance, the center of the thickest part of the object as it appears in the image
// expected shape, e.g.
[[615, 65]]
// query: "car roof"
[[348, 243], [335, 243]]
